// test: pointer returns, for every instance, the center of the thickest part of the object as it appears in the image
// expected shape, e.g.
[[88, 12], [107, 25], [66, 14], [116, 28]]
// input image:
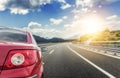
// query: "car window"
[[12, 36]]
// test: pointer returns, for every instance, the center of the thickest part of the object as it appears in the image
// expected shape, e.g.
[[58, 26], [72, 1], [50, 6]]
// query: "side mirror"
[[44, 49]]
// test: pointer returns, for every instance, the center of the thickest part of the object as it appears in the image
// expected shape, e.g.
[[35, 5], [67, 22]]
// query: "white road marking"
[[97, 67], [51, 51], [102, 53]]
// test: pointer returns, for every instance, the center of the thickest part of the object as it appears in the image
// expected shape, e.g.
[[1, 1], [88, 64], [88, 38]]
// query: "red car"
[[20, 57]]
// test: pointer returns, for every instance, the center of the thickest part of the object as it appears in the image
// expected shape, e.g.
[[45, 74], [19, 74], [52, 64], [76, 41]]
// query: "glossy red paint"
[[34, 68]]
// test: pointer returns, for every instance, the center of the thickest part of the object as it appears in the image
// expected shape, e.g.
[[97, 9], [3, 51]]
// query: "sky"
[[60, 18]]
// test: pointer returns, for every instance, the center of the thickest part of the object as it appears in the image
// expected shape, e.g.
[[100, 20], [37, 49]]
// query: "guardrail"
[[105, 48]]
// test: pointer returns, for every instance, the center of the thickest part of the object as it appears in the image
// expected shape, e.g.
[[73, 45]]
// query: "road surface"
[[65, 60]]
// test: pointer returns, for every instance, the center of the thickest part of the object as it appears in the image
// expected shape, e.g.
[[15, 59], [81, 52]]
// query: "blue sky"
[[60, 18]]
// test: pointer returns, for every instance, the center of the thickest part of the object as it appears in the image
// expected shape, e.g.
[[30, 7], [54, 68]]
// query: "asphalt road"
[[65, 60]]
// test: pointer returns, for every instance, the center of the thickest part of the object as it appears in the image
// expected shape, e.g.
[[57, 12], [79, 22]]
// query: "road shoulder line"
[[97, 67], [51, 51]]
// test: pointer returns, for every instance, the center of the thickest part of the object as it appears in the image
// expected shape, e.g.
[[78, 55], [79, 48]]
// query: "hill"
[[105, 35], [44, 40]]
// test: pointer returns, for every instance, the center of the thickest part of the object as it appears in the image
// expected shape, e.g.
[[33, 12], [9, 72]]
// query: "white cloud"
[[82, 11], [79, 2], [36, 28], [49, 33], [65, 6], [80, 26], [111, 17], [2, 5], [84, 3], [107, 1], [63, 1], [18, 11], [64, 17], [85, 10], [22, 6], [44, 2], [91, 3], [75, 11], [56, 21], [77, 27], [34, 25], [73, 28], [46, 33], [112, 22]]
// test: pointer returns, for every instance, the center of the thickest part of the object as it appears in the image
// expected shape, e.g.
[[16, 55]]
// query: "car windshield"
[[80, 38], [12, 35]]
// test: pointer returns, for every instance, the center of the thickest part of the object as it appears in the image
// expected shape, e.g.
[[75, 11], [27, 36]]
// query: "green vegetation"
[[105, 35]]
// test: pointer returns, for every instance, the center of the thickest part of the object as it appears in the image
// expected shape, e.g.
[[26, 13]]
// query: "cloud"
[[112, 17], [56, 21], [79, 25], [107, 1], [18, 11], [113, 22], [91, 3], [25, 6], [65, 6], [2, 5], [62, 1], [64, 17], [72, 29], [37, 29], [76, 27], [47, 33], [34, 25], [22, 6], [75, 11], [42, 32], [85, 10], [83, 3]]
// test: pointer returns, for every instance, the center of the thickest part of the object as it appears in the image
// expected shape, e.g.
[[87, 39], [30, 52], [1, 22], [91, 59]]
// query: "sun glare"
[[92, 24]]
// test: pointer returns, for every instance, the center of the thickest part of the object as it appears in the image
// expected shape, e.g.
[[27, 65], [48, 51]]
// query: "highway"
[[67, 60]]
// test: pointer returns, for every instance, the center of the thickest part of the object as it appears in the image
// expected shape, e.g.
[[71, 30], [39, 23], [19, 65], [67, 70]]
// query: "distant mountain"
[[44, 40], [40, 39], [56, 39]]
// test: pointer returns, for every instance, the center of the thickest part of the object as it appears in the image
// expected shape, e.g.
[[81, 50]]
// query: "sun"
[[92, 23]]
